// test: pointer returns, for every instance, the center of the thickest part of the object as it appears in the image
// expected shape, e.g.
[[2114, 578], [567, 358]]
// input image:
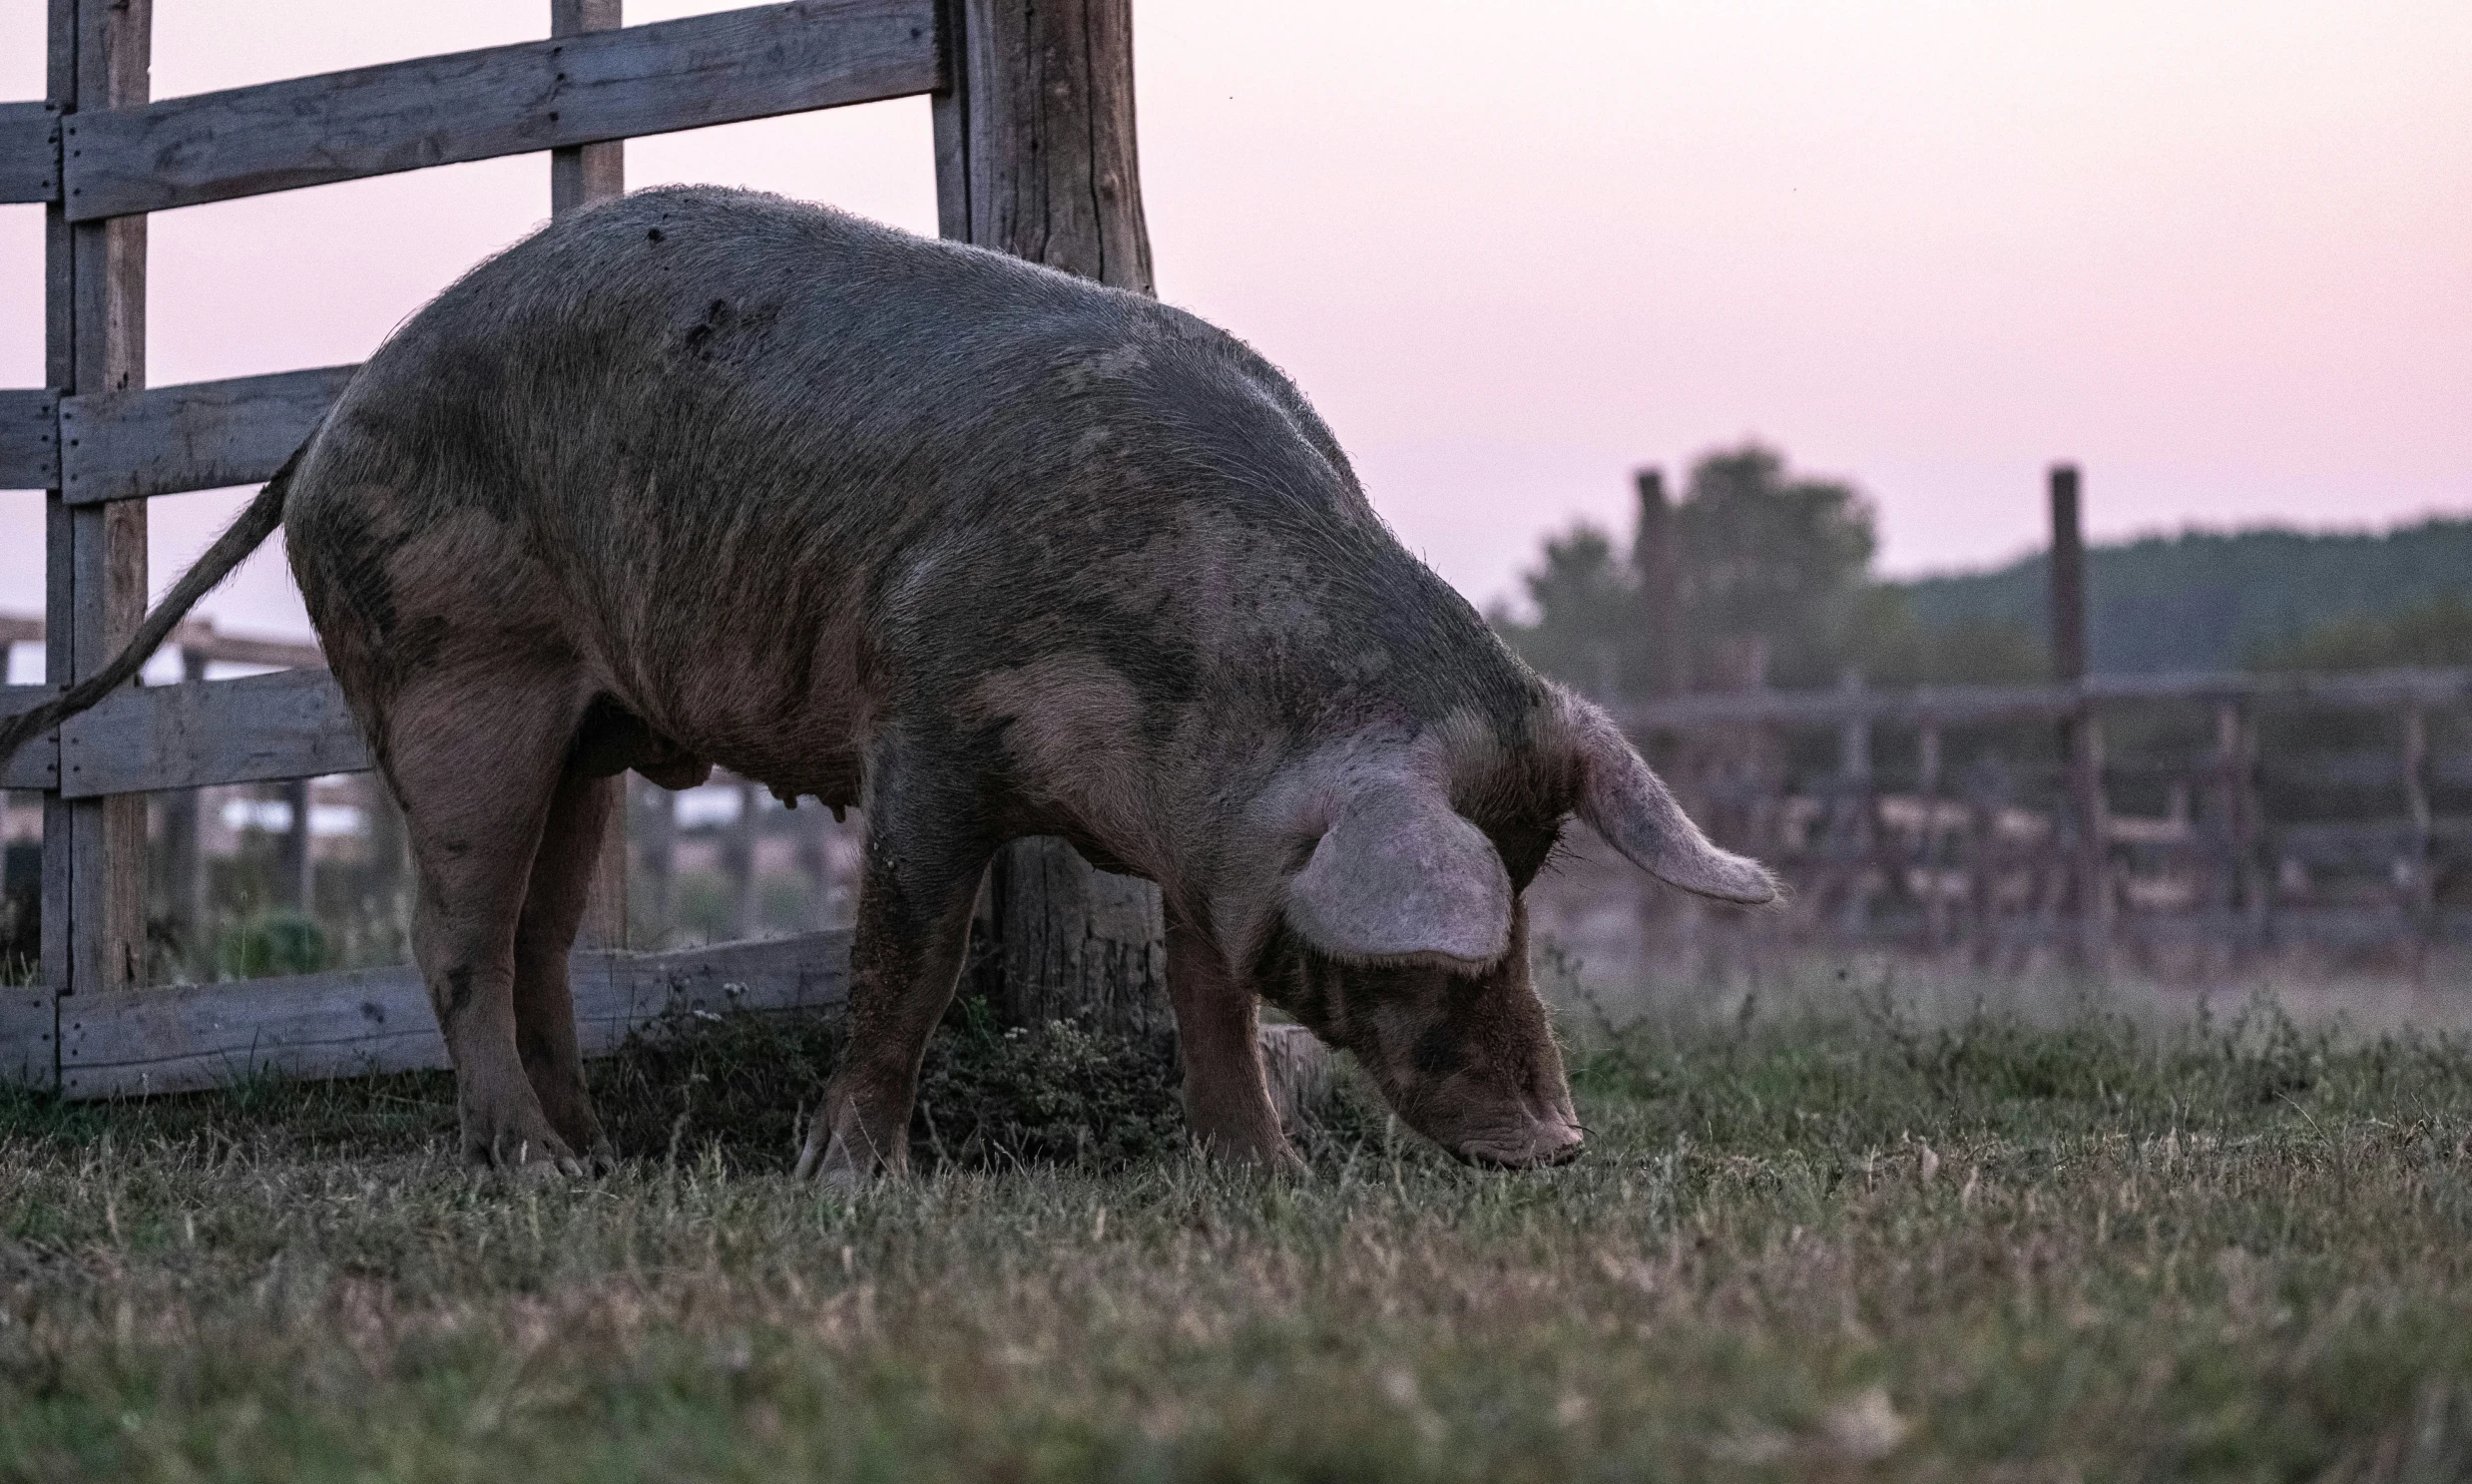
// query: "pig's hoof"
[[578, 1129], [527, 1154], [1280, 1158], [839, 1157], [529, 1164]]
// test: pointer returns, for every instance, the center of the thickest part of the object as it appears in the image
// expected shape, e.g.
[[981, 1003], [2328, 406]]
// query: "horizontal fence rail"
[[289, 725], [200, 435], [128, 1043], [28, 440], [1987, 704], [37, 763], [29, 151], [261, 729], [506, 100]]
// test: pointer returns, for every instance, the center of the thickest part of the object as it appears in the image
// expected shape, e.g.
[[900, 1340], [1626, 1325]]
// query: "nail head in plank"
[[30, 1038], [29, 151], [37, 763], [28, 440]]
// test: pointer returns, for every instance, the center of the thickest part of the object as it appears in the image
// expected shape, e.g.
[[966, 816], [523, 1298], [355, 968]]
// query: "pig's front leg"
[[925, 860], [1218, 1037]]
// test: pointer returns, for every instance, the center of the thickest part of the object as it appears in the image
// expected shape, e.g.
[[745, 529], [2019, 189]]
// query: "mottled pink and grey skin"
[[706, 477]]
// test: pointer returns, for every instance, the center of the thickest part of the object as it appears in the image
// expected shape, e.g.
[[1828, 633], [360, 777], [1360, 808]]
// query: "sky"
[[2217, 253]]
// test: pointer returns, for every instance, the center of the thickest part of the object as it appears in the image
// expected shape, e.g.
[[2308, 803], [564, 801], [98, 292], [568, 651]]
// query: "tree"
[[1770, 556], [2434, 633], [1767, 562], [1587, 629]]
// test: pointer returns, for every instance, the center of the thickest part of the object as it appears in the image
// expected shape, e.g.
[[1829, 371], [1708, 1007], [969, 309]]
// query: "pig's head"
[[1397, 930]]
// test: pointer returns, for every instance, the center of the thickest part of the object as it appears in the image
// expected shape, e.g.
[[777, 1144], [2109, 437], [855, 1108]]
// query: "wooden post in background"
[[579, 175], [1856, 827], [1657, 556], [1928, 851], [2419, 887], [185, 871], [738, 844], [1035, 156], [658, 822], [2080, 732], [583, 174], [94, 850], [296, 885]]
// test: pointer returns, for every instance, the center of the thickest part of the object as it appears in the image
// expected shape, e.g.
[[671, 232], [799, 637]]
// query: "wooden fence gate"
[[1032, 109]]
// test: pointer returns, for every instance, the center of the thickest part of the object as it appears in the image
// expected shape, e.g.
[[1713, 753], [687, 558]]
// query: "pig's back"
[[772, 460]]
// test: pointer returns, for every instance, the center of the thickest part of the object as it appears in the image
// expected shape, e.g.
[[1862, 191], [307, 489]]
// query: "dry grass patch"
[[1821, 1249]]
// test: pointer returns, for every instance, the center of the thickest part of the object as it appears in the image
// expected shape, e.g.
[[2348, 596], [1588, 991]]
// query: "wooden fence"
[[1032, 140], [2270, 812], [1033, 145]]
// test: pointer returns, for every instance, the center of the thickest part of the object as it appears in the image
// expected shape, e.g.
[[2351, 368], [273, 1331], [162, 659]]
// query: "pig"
[[701, 476]]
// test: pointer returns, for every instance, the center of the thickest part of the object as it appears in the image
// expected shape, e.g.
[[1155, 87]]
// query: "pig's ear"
[[1625, 801], [1401, 878]]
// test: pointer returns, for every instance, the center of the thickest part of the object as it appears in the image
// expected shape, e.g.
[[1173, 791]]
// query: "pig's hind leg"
[[925, 857], [475, 756], [554, 904]]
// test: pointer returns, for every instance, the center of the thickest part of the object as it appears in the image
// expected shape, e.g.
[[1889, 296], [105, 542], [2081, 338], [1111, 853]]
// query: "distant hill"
[[2202, 601]]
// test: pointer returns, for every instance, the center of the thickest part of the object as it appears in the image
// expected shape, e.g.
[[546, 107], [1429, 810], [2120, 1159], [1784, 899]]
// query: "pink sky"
[[2219, 252]]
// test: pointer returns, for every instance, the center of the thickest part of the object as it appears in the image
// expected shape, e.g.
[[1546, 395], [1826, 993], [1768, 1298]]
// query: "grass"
[[1822, 1248]]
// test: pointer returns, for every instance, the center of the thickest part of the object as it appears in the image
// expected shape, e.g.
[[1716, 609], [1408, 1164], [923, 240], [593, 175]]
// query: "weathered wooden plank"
[[1941, 705], [289, 725], [37, 763], [103, 601], [136, 1042], [579, 175], [29, 151], [29, 1038], [28, 440], [2366, 846], [196, 638], [200, 435], [508, 99], [58, 573], [2363, 768]]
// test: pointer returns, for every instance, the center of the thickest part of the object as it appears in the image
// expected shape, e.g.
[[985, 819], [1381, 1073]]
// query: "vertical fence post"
[[184, 878], [1928, 857], [2245, 890], [2081, 732], [1655, 555], [1857, 822], [296, 885], [579, 175], [1034, 146], [660, 827], [583, 174], [94, 850], [739, 843], [2419, 887]]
